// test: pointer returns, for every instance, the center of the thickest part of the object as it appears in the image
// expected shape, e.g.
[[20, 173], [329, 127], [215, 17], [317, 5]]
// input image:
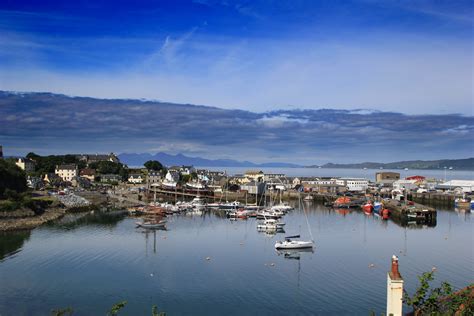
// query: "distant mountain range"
[[133, 159], [457, 164]]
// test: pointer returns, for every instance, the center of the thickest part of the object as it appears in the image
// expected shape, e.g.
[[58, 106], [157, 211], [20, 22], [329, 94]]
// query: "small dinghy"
[[289, 243], [159, 224]]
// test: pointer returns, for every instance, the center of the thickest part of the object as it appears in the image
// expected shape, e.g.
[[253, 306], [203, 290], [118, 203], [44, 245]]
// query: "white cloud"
[[389, 72], [280, 121]]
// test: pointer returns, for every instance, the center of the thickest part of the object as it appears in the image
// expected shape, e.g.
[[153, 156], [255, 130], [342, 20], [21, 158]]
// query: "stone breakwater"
[[72, 200]]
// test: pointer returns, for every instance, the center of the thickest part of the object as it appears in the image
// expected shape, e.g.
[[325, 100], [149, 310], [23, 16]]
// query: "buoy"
[[433, 269], [371, 265]]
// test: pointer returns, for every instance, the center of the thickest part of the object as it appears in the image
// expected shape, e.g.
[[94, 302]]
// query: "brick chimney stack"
[[395, 273], [394, 290]]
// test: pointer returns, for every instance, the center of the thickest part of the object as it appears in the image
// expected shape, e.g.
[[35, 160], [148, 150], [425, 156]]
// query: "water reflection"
[[12, 242], [94, 218], [294, 253]]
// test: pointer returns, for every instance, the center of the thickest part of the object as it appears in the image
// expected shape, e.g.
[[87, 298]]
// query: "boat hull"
[[294, 245]]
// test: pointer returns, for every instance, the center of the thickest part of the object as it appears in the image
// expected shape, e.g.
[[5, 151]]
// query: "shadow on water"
[[12, 242], [96, 218]]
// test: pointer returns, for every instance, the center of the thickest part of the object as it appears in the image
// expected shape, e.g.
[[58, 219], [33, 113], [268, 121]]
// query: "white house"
[[135, 178], [172, 176], [67, 172], [354, 184]]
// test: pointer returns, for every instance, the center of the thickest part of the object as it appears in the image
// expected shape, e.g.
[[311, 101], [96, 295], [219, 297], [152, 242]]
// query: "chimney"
[[395, 273], [394, 290]]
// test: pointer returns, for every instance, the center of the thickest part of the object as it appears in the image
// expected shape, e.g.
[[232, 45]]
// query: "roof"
[[415, 178], [135, 176], [460, 183], [87, 172]]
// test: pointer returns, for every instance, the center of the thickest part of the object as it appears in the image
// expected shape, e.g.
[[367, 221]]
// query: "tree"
[[184, 178], [107, 167], [153, 165], [12, 178], [440, 300]]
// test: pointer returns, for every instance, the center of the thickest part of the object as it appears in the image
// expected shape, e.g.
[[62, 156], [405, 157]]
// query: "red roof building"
[[417, 178]]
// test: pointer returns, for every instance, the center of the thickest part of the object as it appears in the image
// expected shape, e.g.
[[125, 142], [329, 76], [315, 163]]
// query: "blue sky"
[[413, 57]]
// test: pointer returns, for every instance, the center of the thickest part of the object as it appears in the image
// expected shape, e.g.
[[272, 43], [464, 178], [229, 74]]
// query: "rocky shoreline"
[[30, 222], [23, 219]]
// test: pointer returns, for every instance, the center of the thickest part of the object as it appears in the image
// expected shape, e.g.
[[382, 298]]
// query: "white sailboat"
[[291, 243]]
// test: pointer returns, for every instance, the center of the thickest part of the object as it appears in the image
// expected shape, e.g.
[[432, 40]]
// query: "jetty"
[[406, 211]]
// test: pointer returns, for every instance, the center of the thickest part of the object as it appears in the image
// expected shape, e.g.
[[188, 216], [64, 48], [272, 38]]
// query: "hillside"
[[457, 164]]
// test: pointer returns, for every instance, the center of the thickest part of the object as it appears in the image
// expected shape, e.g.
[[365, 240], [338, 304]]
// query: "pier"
[[403, 213]]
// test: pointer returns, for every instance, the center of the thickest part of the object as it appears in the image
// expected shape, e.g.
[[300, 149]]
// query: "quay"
[[403, 212]]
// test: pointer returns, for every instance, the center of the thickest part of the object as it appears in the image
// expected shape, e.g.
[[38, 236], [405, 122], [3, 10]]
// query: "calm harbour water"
[[94, 262]]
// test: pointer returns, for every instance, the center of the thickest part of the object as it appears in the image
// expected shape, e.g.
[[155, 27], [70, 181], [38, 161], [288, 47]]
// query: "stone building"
[[386, 177]]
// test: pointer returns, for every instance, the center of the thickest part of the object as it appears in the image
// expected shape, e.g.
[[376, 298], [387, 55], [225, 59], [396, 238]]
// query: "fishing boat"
[[385, 213], [464, 203], [151, 224], [230, 206], [368, 207], [342, 202], [378, 206], [289, 243]]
